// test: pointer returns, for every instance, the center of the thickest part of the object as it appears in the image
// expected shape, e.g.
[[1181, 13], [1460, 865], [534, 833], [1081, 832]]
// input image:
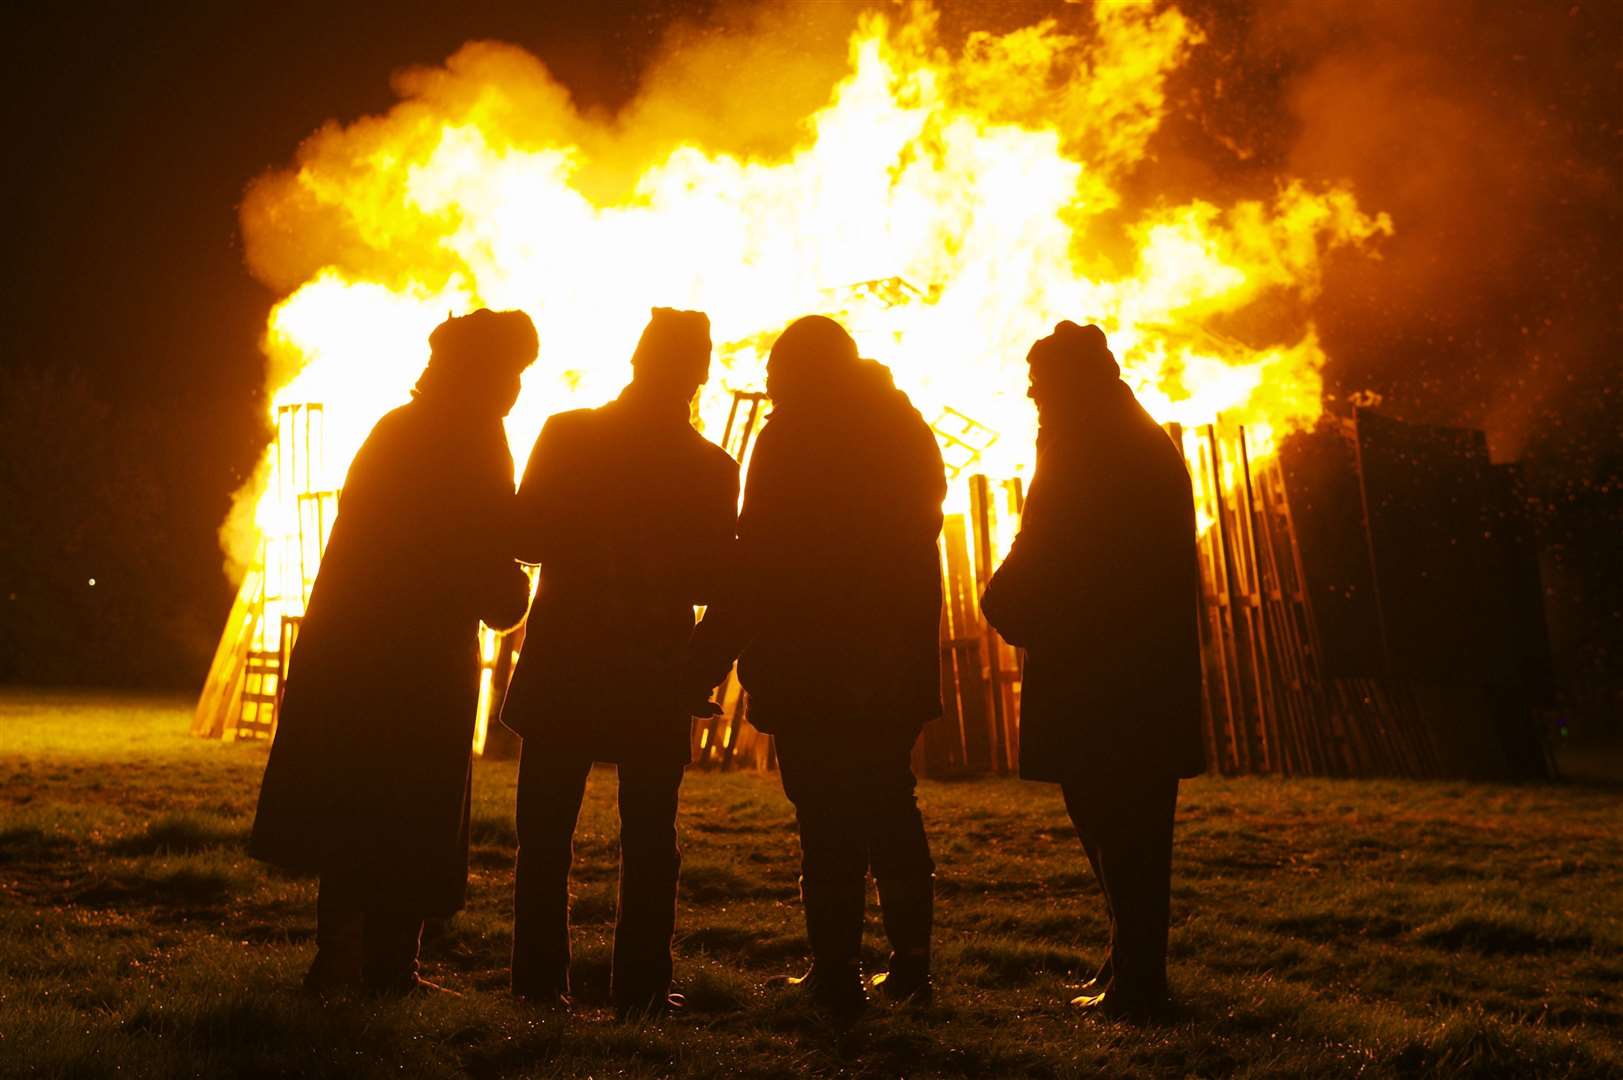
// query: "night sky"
[[131, 392]]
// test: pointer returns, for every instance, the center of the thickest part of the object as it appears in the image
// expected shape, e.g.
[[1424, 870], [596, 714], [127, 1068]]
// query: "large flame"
[[942, 204]]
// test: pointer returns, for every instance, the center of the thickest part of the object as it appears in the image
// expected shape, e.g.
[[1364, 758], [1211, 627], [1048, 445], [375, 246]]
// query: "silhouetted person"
[[631, 514], [1100, 589], [835, 621], [368, 779]]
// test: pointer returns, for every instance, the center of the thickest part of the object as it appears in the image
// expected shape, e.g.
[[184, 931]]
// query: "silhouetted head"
[[1072, 363], [673, 354], [813, 354], [475, 360]]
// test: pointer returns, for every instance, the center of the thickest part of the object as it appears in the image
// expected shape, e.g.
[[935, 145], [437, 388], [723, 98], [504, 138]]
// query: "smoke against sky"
[[1491, 134]]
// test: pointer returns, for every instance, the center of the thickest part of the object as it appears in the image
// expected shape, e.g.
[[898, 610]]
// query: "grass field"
[[1320, 928]]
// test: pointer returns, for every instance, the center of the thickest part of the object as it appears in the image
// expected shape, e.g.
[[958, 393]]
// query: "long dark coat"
[[370, 767], [631, 514], [838, 605], [1100, 588]]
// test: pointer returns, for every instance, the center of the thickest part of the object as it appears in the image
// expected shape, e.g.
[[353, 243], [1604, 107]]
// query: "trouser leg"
[[549, 799], [899, 854], [833, 856], [650, 863], [1090, 847], [1133, 832], [390, 942], [1143, 862], [1107, 966], [339, 924]]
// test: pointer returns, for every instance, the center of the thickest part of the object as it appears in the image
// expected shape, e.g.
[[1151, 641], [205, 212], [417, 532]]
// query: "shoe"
[[330, 974], [320, 983], [834, 932], [1090, 1002], [907, 906], [547, 1000], [1115, 1006], [901, 988], [1101, 979], [657, 1007], [840, 996]]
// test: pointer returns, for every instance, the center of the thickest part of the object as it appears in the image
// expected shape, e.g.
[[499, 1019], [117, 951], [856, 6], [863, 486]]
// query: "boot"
[[390, 943], [327, 976], [337, 966], [656, 1007], [834, 930], [835, 990], [908, 909], [1115, 1005], [546, 999]]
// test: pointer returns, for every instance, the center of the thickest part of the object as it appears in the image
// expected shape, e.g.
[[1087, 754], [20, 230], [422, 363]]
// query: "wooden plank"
[[1330, 728], [1296, 686], [1225, 659], [1250, 677], [224, 680], [940, 751], [973, 712], [1212, 683], [1011, 661], [1264, 663], [983, 519]]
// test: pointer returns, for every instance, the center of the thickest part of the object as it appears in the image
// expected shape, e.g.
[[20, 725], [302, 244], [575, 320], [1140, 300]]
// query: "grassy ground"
[[1321, 928]]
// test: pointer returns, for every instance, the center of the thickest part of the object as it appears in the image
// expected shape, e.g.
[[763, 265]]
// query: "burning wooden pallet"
[[243, 691], [1272, 704]]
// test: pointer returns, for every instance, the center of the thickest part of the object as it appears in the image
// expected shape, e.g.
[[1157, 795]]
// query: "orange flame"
[[942, 204]]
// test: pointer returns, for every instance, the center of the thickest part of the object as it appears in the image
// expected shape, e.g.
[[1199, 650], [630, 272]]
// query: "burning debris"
[[972, 193], [965, 192]]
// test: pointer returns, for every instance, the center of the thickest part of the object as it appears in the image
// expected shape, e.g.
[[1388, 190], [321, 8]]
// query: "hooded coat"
[[837, 610], [371, 762], [631, 514], [1101, 588]]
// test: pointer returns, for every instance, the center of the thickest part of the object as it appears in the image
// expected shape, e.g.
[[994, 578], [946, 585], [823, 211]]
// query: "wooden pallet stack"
[[1268, 707], [1273, 703], [242, 694]]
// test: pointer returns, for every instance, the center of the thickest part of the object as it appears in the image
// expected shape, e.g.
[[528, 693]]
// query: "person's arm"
[[728, 621], [922, 518], [557, 519], [536, 520], [501, 587], [1013, 599], [709, 582], [716, 540]]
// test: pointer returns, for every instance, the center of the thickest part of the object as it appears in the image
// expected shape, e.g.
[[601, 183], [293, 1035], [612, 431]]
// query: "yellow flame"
[[944, 205]]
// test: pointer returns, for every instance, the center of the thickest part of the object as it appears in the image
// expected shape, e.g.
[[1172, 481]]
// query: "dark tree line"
[[93, 491]]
